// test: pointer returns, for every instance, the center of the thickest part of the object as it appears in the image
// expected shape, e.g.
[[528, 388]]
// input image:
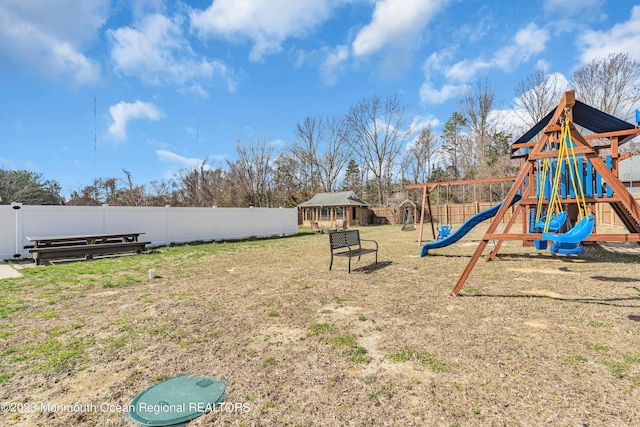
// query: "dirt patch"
[[534, 338]]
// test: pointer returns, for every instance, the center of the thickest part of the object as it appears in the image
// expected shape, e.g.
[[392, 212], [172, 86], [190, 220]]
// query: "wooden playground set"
[[564, 174]]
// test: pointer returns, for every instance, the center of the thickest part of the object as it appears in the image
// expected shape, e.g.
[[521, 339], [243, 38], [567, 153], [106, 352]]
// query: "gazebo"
[[327, 208]]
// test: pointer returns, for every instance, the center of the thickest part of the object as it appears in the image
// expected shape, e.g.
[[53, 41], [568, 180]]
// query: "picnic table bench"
[[87, 245], [348, 244]]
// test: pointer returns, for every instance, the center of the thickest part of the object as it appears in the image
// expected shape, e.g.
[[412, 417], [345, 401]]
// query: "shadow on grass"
[[368, 269], [597, 301], [616, 279], [246, 239], [595, 257]]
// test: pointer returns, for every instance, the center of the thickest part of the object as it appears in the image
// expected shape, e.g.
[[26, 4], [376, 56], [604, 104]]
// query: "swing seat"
[[443, 231], [409, 227], [556, 223], [567, 249], [540, 244], [569, 243]]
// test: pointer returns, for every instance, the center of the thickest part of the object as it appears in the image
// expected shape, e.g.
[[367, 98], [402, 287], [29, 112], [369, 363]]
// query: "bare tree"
[[253, 172], [29, 188], [453, 142], [420, 154], [132, 195], [477, 104], [289, 188], [320, 153], [164, 193], [610, 84], [536, 95], [305, 150], [377, 131], [335, 153]]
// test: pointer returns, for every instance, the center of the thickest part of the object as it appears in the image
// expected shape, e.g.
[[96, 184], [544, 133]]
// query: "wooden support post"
[[510, 223], [433, 229], [424, 196], [492, 228]]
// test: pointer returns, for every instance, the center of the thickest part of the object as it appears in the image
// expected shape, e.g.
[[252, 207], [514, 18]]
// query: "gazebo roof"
[[338, 198]]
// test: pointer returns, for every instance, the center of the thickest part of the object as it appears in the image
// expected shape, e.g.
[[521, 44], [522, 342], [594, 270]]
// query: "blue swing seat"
[[569, 243], [443, 231], [556, 223]]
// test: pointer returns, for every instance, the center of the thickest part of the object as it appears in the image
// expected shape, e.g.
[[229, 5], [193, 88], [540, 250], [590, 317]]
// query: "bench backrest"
[[344, 239]]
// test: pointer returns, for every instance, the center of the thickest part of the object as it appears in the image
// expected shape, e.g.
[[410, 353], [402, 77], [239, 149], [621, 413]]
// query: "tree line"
[[369, 149]]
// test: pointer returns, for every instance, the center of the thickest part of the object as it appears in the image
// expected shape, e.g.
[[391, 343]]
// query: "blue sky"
[[174, 82]]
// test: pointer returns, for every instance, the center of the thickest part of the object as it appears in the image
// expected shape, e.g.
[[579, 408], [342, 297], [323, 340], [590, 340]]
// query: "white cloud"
[[621, 38], [333, 64], [123, 112], [396, 23], [465, 70], [179, 163], [267, 23], [49, 36], [527, 43], [171, 157], [431, 95], [156, 51]]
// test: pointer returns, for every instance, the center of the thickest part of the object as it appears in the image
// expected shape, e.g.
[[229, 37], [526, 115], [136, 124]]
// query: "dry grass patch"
[[533, 339]]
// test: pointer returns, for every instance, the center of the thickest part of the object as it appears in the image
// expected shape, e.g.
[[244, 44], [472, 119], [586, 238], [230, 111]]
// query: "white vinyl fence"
[[160, 225]]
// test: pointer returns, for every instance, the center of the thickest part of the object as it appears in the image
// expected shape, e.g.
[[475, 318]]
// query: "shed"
[[327, 208]]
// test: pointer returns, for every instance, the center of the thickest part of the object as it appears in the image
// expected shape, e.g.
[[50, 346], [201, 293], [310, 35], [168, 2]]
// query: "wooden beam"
[[613, 238], [616, 133], [429, 187], [608, 237], [554, 153], [434, 185], [534, 201]]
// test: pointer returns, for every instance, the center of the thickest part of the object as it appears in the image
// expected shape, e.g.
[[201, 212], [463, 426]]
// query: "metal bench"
[[347, 244]]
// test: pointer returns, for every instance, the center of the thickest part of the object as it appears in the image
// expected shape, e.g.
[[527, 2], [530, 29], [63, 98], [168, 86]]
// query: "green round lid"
[[176, 400]]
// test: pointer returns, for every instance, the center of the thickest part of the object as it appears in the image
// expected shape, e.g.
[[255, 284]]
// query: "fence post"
[[167, 230], [214, 211], [17, 208], [105, 206]]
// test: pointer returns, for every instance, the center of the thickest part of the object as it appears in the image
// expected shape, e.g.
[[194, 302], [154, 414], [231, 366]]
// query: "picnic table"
[[87, 245]]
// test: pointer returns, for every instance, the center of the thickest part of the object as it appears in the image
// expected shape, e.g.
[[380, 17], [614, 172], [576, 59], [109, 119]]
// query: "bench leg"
[[349, 264], [331, 263]]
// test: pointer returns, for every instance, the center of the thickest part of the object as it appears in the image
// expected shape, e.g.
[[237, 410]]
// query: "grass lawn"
[[534, 338]]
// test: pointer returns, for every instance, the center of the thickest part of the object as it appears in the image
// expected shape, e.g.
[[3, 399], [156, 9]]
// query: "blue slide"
[[467, 226]]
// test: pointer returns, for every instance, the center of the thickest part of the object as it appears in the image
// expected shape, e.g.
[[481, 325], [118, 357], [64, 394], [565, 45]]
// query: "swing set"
[[445, 229], [568, 243], [564, 176]]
